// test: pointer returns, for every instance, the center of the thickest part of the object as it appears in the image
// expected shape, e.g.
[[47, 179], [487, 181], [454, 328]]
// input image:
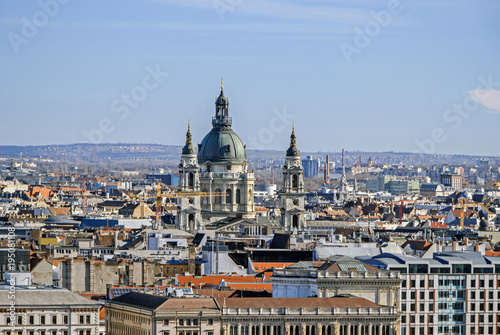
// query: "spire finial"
[[189, 140], [293, 139], [221, 83]]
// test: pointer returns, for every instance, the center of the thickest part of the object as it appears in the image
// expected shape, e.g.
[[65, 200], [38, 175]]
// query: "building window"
[[431, 294], [181, 322], [238, 196], [165, 322], [195, 322], [403, 295], [19, 320], [188, 322], [229, 196], [210, 322], [65, 318], [54, 319], [42, 319], [88, 318], [32, 320], [218, 196]]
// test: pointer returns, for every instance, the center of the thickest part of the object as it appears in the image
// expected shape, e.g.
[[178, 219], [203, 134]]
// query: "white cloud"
[[487, 98]]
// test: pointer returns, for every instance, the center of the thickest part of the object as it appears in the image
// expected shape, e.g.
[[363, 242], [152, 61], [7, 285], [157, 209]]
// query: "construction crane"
[[159, 196]]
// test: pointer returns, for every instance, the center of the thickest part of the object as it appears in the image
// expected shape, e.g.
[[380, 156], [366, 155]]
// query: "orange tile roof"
[[270, 265], [251, 286], [492, 253], [185, 280]]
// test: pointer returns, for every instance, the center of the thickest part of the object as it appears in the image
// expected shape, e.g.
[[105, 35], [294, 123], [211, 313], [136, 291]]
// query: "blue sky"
[[417, 76]]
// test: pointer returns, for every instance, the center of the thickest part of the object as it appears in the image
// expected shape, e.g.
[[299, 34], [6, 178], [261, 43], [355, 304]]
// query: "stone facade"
[[138, 313]]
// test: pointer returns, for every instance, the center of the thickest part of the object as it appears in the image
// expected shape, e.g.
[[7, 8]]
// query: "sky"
[[369, 75]]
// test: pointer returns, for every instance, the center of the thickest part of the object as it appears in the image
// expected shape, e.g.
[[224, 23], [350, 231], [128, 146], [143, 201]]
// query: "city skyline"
[[403, 76]]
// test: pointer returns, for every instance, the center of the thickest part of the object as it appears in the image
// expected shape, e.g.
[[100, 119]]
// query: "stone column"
[[287, 329], [319, 328], [304, 329]]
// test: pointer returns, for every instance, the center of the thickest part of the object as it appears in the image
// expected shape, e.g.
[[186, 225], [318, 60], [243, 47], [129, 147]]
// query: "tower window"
[[238, 196], [295, 181], [190, 179], [229, 198]]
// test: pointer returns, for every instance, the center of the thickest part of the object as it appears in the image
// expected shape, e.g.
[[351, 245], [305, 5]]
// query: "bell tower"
[[292, 195], [189, 216]]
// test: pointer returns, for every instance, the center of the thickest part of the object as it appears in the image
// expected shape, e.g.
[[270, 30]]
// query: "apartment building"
[[450, 293]]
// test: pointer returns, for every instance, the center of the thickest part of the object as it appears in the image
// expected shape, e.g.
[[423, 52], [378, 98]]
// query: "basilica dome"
[[221, 144]]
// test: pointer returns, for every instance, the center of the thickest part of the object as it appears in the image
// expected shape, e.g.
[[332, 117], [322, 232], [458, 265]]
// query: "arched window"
[[295, 181], [238, 196], [229, 196], [295, 221], [190, 179], [218, 197]]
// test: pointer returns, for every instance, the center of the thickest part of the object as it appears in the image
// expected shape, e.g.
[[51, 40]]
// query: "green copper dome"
[[222, 144]]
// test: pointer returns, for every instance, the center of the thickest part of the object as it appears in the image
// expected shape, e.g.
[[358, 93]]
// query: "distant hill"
[[156, 152]]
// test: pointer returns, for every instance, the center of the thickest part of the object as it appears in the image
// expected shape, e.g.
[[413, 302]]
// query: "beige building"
[[339, 275], [92, 275], [144, 314], [47, 311]]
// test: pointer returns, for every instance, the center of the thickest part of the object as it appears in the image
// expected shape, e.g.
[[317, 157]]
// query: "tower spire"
[[221, 83], [189, 138], [188, 148], [292, 150]]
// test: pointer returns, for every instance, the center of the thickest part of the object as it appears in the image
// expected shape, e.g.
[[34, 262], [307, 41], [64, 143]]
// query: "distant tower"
[[189, 217], [292, 194], [343, 180], [327, 170]]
